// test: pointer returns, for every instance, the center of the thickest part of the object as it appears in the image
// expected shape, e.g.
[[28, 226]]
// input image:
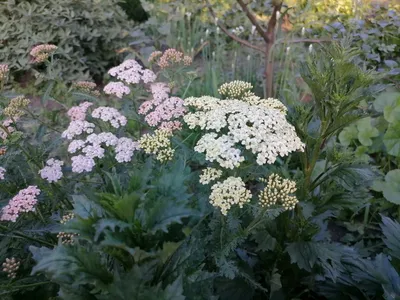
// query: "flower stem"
[[20, 234]]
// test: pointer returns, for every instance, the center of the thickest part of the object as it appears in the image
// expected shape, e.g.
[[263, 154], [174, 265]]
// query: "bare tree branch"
[[253, 20], [231, 35]]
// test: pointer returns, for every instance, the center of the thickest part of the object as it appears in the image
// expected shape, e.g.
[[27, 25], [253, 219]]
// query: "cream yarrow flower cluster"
[[278, 191], [260, 130], [231, 191], [86, 87], [11, 266], [209, 174], [16, 106], [67, 217], [158, 144]]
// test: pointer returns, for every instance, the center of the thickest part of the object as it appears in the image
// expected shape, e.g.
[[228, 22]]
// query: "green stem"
[[16, 287], [187, 88], [20, 234]]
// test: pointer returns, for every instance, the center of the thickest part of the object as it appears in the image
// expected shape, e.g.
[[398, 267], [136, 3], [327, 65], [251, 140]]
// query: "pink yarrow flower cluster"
[[77, 127], [41, 53], [162, 109], [116, 88], [7, 124], [2, 173], [109, 114], [131, 72], [24, 201], [78, 113], [52, 172], [169, 58]]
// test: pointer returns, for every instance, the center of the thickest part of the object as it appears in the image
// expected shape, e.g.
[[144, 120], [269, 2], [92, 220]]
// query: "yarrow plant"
[[24, 201]]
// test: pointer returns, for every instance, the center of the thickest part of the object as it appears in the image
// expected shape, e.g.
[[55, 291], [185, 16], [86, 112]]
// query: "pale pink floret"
[[116, 88], [2, 173], [24, 201], [82, 163], [7, 124], [79, 112], [124, 149], [148, 76], [109, 114], [76, 128], [52, 172], [93, 151], [76, 145]]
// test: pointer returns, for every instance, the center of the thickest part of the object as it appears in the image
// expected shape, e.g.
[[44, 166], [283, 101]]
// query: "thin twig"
[[253, 20], [231, 35]]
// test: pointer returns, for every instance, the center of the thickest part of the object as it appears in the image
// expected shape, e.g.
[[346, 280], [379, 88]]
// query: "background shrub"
[[87, 32]]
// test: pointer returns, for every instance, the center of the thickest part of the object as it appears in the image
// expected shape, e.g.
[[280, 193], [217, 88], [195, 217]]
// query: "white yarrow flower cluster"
[[52, 172], [229, 192], [109, 114], [263, 131], [278, 191], [209, 174], [132, 72], [124, 149]]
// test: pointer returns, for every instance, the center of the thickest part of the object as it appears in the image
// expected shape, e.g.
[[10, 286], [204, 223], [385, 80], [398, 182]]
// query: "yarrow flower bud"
[[2, 173], [229, 192], [235, 89], [86, 87], [16, 106], [67, 238], [52, 172], [158, 144], [66, 218], [11, 266], [154, 55], [4, 70], [169, 58], [209, 174], [24, 201], [278, 191], [41, 53]]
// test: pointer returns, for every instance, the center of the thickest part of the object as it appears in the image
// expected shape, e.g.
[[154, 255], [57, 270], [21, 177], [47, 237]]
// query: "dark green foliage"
[[134, 10]]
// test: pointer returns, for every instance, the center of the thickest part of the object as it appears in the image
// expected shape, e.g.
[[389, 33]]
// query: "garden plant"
[[178, 166]]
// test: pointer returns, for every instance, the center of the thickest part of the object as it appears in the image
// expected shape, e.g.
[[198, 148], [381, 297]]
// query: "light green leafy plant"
[[87, 33]]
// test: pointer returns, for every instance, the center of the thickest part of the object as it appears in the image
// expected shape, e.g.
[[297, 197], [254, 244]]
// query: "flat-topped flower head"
[[77, 128], [78, 113], [24, 201], [131, 72], [209, 174], [231, 191], [158, 144], [111, 115], [169, 58], [263, 131], [87, 87], [53, 170], [117, 89], [278, 191], [236, 89], [4, 70], [42, 52], [15, 108]]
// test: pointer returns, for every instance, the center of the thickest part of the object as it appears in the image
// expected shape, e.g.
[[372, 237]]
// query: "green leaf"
[[348, 134], [390, 187], [72, 266], [385, 99], [392, 113], [391, 139], [391, 230], [85, 208], [111, 224], [366, 131]]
